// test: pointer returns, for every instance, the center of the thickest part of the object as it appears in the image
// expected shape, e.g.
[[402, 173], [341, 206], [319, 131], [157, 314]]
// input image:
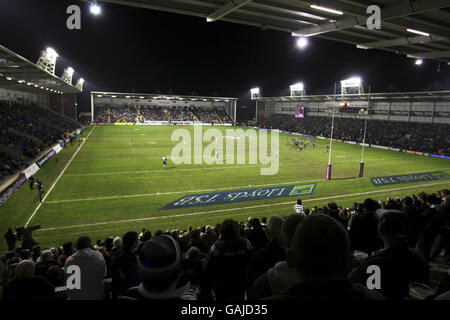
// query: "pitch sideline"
[[240, 208], [57, 179]]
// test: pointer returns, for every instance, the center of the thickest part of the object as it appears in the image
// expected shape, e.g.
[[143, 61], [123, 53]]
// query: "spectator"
[[399, 265], [414, 222], [209, 237], [55, 276], [268, 256], [256, 235], [10, 239], [67, 252], [364, 229], [282, 275], [332, 210], [196, 242], [117, 244], [92, 267], [227, 262], [320, 252], [25, 286], [159, 270], [43, 263], [124, 265]]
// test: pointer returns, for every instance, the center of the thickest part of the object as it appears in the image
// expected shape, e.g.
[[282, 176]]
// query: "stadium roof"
[[18, 73], [129, 95], [348, 25], [386, 96]]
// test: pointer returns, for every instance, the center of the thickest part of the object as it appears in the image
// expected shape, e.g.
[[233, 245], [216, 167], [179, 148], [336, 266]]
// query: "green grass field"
[[109, 187]]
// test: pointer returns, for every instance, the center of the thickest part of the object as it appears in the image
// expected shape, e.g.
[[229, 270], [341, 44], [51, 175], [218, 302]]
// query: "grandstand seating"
[[423, 137], [155, 113], [27, 130]]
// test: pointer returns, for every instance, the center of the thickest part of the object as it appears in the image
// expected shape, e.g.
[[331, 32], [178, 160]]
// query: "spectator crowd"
[[314, 253], [423, 137], [27, 130], [155, 113]]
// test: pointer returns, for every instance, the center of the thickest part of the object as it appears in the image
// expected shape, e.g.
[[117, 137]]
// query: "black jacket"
[[399, 266], [33, 288], [225, 267]]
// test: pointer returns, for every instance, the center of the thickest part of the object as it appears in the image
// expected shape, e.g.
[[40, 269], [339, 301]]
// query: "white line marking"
[[201, 190], [177, 192], [241, 208], [202, 168], [158, 170], [57, 179]]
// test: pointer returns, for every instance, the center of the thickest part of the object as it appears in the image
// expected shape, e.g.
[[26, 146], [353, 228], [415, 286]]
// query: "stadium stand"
[[157, 113], [411, 247], [27, 130], [423, 137]]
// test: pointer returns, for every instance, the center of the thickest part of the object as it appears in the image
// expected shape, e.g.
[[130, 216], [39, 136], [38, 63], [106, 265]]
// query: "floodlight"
[[297, 90], [51, 54], [255, 93], [70, 70], [95, 9], [419, 62], [422, 33], [351, 84], [326, 9], [297, 86], [302, 42]]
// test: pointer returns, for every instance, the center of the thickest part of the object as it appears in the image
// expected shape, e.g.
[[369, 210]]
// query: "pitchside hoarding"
[[210, 199], [408, 178]]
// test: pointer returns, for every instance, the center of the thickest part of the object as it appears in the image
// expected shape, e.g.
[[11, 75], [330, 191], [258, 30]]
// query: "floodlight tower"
[[352, 85], [67, 75], [297, 90], [79, 84], [47, 60], [255, 94]]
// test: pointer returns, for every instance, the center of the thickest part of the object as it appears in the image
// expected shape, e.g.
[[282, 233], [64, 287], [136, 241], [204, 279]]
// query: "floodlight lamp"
[[70, 71], [419, 62], [51, 54], [81, 80], [297, 86], [95, 9], [254, 91], [352, 82], [302, 42]]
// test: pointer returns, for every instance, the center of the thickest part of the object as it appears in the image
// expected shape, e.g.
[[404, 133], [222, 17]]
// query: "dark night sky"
[[128, 48]]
